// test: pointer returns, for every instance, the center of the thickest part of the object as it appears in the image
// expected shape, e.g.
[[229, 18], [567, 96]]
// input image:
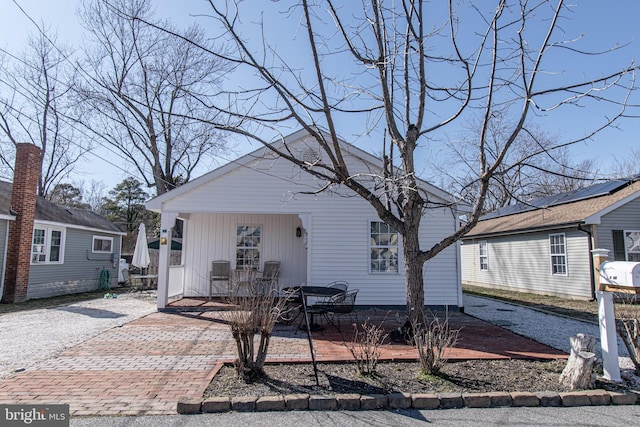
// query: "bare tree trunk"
[[413, 277]]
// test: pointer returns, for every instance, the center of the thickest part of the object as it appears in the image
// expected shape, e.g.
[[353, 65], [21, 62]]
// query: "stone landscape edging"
[[355, 402]]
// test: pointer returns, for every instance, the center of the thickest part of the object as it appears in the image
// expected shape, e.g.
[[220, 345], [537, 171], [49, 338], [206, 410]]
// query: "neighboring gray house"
[[48, 250], [544, 247], [318, 238]]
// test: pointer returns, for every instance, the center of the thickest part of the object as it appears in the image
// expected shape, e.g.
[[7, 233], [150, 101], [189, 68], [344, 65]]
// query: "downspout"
[[591, 266]]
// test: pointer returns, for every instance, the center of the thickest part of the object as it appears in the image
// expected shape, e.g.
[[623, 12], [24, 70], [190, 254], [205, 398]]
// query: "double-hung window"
[[558, 253], [47, 245], [483, 251], [383, 248], [248, 239]]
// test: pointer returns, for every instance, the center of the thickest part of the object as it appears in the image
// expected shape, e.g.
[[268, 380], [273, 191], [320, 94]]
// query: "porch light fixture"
[[298, 232], [163, 240]]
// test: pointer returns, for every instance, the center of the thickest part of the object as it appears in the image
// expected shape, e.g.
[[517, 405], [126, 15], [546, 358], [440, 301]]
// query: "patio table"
[[313, 291]]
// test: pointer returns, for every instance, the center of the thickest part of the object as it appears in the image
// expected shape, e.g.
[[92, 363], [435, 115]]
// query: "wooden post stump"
[[578, 373]]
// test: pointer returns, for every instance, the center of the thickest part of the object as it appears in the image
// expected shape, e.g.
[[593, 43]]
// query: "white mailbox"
[[620, 274]]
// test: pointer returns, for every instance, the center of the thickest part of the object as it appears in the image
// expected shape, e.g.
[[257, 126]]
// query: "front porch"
[[241, 240]]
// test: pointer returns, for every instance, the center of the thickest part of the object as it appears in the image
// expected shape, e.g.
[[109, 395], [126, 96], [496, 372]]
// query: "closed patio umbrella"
[[141, 252]]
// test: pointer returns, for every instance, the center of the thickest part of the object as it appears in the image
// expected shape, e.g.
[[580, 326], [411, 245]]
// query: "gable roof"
[[155, 204], [47, 211], [564, 210]]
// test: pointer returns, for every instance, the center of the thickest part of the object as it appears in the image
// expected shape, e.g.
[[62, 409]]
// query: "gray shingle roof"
[[48, 211]]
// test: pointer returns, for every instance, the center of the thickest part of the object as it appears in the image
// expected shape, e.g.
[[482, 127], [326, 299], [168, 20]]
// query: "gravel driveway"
[[548, 329], [30, 336]]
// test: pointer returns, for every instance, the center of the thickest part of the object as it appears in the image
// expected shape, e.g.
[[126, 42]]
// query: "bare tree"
[[35, 105], [407, 70], [628, 165], [146, 91], [536, 166], [558, 174]]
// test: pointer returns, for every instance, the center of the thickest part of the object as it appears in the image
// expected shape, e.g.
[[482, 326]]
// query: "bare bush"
[[628, 327], [252, 319], [365, 346], [432, 339]]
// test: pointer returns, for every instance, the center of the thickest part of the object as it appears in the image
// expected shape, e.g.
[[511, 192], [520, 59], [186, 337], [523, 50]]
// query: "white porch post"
[[305, 218], [167, 220]]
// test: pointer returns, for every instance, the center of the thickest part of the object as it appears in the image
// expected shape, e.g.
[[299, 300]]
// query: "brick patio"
[[145, 366]]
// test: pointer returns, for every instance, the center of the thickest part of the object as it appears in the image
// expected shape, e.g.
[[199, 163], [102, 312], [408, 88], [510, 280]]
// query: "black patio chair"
[[335, 307], [338, 284]]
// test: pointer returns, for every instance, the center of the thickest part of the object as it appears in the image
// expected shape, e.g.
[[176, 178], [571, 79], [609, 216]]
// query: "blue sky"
[[603, 24]]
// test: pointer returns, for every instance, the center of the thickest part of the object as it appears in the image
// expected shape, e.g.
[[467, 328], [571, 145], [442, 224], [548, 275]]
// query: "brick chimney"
[[23, 202]]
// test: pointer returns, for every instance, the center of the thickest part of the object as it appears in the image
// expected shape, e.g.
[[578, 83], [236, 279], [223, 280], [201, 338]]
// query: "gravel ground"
[[30, 336], [548, 329]]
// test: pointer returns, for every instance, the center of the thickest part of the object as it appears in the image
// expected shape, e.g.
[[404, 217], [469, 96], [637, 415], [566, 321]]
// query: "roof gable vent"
[[310, 156]]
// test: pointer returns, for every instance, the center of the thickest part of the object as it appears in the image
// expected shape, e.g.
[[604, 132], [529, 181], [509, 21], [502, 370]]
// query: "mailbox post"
[[607, 323]]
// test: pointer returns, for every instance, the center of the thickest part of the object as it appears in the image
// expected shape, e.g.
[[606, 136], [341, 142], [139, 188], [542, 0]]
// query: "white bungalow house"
[[544, 247], [318, 237]]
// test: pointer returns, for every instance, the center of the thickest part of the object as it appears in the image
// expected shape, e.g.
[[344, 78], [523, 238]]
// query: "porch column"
[[167, 221], [305, 219]]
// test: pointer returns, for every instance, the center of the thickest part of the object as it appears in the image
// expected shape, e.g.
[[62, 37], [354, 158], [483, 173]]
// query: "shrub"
[[365, 346], [431, 339], [253, 313]]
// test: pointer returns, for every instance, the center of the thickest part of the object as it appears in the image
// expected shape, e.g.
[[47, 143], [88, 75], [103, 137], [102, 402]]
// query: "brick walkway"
[[145, 366]]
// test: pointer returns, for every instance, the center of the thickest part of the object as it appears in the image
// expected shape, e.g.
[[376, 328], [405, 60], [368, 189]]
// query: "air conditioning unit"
[[619, 275]]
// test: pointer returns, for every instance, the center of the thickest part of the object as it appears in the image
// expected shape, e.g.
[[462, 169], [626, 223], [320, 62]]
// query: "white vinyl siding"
[[558, 254], [522, 263], [101, 244], [483, 255]]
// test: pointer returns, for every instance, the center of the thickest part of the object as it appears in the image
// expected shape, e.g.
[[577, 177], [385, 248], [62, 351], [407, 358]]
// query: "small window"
[[102, 244], [383, 248], [47, 245], [248, 238], [484, 255], [558, 253]]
